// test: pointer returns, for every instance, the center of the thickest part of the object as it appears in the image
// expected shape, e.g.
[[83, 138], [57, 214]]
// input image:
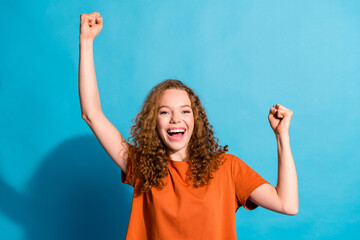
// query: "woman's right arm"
[[109, 137]]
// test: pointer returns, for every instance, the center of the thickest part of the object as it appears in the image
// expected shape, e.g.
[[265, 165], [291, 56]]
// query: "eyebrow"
[[169, 107]]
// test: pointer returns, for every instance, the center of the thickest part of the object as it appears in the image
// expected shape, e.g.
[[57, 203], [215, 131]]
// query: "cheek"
[[160, 125], [190, 122]]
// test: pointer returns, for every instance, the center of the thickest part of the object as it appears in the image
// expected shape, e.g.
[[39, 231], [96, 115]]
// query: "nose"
[[175, 118]]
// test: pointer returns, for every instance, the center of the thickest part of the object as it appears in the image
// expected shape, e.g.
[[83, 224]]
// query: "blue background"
[[241, 57]]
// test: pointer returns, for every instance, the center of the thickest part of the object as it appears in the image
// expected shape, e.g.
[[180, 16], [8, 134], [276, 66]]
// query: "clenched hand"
[[90, 25]]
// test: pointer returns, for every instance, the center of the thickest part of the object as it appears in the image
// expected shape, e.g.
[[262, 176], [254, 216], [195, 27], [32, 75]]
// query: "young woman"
[[185, 185]]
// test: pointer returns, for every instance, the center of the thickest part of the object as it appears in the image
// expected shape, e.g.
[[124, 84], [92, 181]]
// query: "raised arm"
[[109, 137], [283, 198]]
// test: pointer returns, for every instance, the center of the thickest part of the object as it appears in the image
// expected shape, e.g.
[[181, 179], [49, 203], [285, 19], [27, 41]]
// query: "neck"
[[177, 155]]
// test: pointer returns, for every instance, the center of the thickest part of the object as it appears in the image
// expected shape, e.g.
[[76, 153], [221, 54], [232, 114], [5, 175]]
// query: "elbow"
[[291, 210]]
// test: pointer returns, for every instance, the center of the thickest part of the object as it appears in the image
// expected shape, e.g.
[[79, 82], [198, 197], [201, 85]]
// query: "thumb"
[[99, 20], [273, 111]]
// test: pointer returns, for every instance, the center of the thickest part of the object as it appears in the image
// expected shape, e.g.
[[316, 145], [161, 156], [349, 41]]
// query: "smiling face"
[[175, 122]]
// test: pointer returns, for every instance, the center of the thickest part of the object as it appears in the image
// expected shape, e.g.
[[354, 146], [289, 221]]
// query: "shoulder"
[[230, 158], [236, 164], [233, 162]]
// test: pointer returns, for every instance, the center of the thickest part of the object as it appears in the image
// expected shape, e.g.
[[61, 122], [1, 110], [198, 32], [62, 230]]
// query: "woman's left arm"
[[284, 198]]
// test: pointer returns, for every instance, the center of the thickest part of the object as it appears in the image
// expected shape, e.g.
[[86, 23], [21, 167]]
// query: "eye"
[[186, 111], [163, 112]]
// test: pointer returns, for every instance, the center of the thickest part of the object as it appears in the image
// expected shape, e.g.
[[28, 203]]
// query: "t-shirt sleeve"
[[246, 181], [125, 177]]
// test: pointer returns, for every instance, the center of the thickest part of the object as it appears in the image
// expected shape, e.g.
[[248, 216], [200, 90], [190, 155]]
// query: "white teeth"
[[176, 131]]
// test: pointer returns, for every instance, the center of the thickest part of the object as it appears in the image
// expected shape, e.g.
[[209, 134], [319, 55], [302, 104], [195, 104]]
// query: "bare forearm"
[[287, 186], [88, 89]]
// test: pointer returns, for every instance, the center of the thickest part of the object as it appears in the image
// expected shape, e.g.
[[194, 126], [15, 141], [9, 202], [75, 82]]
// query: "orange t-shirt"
[[180, 211]]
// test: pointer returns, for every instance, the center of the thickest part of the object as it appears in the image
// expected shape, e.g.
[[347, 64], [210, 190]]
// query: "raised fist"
[[90, 25], [279, 118]]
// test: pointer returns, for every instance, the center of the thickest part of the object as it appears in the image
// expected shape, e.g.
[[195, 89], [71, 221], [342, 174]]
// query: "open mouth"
[[176, 133]]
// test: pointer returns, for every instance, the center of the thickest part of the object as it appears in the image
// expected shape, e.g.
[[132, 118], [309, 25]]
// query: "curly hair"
[[147, 152]]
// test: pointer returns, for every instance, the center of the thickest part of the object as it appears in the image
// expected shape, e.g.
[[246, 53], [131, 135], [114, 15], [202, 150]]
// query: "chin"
[[175, 148]]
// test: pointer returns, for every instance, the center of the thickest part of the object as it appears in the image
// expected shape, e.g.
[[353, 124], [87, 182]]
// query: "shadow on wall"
[[76, 193]]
